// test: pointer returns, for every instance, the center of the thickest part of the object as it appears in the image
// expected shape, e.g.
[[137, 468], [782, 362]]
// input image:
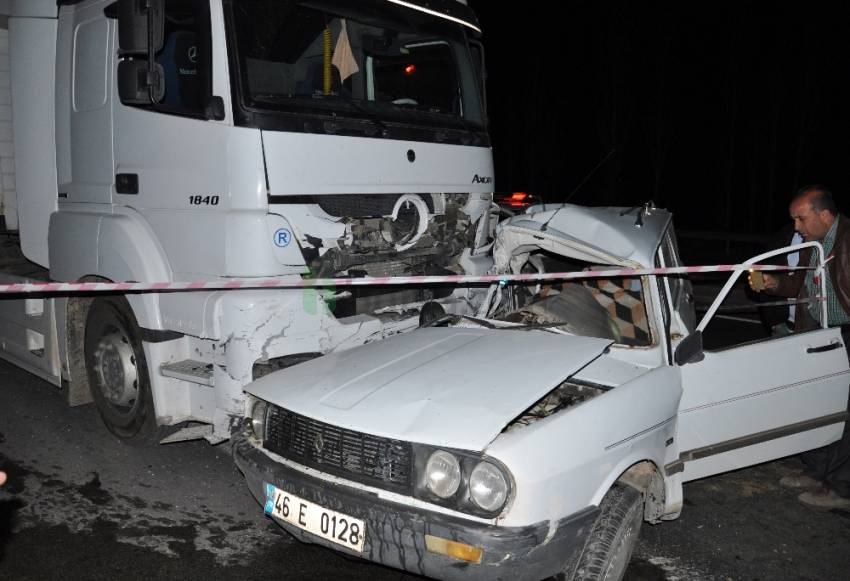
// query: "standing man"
[[816, 219]]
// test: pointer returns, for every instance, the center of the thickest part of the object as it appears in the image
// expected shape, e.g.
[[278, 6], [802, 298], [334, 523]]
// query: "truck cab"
[[206, 140]]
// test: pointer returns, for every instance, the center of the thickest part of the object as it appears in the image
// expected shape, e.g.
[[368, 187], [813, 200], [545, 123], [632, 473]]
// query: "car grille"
[[346, 453]]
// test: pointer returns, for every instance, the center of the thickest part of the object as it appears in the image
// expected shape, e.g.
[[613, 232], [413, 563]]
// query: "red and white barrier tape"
[[233, 284]]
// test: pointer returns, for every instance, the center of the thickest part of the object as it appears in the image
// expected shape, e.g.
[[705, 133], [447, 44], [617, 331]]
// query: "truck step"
[[189, 370]]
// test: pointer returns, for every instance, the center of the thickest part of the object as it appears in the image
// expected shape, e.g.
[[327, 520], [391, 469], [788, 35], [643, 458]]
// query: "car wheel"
[[612, 538], [117, 370]]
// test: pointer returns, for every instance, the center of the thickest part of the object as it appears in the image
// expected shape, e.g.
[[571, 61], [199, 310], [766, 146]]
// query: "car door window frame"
[[733, 278]]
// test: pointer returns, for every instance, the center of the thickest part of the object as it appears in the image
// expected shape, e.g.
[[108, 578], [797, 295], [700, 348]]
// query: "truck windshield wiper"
[[370, 116], [327, 102]]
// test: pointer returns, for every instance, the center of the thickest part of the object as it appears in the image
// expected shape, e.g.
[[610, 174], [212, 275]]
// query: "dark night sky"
[[717, 111]]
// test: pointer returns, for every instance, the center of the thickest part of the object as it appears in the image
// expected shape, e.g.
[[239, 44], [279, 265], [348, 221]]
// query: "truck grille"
[[346, 453], [363, 205]]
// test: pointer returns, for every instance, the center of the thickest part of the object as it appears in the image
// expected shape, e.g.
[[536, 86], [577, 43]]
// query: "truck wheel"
[[117, 371], [612, 538]]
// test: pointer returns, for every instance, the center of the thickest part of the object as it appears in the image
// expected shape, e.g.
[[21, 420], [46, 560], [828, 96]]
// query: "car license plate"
[[328, 524]]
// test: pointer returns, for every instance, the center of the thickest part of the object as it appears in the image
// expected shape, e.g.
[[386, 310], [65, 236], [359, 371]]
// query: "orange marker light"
[[454, 549]]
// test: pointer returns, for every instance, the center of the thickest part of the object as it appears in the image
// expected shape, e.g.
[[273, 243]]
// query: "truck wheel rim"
[[115, 364]]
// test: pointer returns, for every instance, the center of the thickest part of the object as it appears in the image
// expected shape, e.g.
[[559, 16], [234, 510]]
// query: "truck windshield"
[[370, 59]]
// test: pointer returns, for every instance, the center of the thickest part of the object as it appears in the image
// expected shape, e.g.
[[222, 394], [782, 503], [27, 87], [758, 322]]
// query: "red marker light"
[[409, 69], [519, 200]]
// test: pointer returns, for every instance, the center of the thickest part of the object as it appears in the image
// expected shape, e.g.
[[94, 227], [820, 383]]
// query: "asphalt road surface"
[[82, 505]]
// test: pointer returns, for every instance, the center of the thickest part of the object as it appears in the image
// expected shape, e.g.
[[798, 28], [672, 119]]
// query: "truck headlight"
[[488, 487], [442, 473], [258, 418]]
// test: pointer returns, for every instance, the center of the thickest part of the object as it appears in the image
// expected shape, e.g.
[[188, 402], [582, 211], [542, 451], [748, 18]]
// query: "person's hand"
[[770, 281], [760, 281], [2, 478]]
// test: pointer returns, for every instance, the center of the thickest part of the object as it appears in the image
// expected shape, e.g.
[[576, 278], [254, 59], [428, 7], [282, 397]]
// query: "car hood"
[[451, 387]]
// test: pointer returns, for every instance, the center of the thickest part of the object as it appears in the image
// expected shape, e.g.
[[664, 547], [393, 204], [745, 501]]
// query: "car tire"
[[117, 370], [612, 538]]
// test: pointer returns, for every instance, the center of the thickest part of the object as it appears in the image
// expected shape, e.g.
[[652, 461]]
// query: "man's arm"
[[840, 267], [784, 284]]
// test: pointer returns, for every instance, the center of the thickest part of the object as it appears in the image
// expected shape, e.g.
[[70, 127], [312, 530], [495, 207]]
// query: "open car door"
[[764, 399]]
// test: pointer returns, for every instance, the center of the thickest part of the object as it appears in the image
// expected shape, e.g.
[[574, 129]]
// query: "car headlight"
[[258, 418], [442, 473], [488, 487]]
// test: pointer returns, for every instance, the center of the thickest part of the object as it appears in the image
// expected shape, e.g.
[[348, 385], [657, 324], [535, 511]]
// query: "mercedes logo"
[[318, 444], [193, 54]]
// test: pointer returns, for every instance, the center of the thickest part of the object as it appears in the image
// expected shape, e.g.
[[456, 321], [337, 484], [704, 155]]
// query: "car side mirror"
[[134, 17], [139, 84], [689, 349]]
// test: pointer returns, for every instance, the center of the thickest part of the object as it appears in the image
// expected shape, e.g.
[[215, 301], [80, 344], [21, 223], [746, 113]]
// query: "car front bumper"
[[395, 533]]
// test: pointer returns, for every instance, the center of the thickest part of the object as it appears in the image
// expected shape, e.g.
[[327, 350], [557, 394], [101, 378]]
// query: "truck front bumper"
[[395, 533]]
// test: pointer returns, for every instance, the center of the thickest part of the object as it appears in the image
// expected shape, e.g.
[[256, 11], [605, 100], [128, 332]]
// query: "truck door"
[[763, 399], [175, 146]]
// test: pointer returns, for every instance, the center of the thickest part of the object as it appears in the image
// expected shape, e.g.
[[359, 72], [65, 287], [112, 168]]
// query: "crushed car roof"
[[629, 236]]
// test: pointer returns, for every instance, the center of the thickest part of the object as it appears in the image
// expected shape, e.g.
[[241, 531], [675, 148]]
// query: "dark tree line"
[[717, 111]]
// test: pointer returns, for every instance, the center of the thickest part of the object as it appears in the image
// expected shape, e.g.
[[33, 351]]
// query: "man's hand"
[[760, 281], [2, 478]]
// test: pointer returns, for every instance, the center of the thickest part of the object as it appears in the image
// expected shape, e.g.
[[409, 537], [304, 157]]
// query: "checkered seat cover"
[[622, 298]]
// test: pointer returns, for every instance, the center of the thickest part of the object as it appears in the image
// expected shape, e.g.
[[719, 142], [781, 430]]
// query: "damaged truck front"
[[199, 140], [533, 438]]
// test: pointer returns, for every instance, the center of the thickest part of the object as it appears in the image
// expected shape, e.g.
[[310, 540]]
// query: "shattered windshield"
[[366, 59], [609, 308]]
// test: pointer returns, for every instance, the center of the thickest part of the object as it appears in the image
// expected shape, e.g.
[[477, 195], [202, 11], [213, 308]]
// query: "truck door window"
[[185, 59]]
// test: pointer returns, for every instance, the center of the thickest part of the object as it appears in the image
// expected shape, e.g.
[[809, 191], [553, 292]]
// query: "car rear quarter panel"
[[568, 461]]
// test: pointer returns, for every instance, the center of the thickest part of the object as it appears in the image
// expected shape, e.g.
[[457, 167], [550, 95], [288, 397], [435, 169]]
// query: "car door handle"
[[824, 348]]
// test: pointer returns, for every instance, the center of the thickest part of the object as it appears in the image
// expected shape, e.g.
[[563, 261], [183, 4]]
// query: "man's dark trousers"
[[831, 464]]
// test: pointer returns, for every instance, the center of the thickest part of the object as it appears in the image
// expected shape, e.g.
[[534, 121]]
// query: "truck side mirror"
[[134, 16], [690, 349], [140, 84]]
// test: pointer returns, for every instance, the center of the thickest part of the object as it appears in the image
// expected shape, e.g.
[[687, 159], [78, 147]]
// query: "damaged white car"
[[533, 439]]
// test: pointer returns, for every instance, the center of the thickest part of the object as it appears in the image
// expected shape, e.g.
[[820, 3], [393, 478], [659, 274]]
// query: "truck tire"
[[612, 538], [117, 370]]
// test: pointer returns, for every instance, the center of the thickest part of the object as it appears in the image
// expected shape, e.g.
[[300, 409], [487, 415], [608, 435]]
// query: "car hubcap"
[[115, 363]]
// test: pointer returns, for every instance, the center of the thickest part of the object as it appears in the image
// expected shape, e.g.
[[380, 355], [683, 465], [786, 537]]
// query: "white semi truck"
[[202, 140]]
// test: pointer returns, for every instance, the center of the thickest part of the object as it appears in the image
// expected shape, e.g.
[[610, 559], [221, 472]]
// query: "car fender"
[[569, 460]]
